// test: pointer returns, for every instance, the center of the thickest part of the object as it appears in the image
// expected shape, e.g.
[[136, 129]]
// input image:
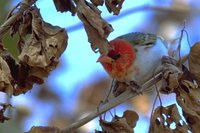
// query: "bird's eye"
[[115, 57]]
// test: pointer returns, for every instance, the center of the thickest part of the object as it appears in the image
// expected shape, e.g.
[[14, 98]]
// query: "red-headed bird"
[[133, 57]]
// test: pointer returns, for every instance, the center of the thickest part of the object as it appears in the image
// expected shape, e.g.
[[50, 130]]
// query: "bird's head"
[[119, 59]]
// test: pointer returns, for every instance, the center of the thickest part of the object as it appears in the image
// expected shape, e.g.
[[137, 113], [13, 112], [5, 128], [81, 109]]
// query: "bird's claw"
[[168, 60], [135, 87]]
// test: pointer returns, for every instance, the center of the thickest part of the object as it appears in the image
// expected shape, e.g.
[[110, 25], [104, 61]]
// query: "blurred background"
[[78, 84]]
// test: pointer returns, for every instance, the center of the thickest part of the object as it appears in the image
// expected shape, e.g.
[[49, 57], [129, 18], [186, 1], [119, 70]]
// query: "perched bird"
[[133, 57]]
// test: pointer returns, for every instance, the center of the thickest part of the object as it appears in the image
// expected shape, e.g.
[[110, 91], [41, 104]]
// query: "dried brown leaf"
[[131, 117], [188, 98], [38, 58], [162, 119], [16, 76], [42, 50], [41, 129], [23, 82], [186, 74], [116, 126], [124, 124], [97, 29], [171, 75], [40, 45], [114, 6], [65, 5], [194, 61], [97, 2]]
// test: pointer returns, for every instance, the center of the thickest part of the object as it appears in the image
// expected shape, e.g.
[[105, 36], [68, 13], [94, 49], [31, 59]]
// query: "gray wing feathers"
[[138, 38]]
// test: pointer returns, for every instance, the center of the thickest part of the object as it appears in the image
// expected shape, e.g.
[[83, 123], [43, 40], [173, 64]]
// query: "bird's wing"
[[139, 38]]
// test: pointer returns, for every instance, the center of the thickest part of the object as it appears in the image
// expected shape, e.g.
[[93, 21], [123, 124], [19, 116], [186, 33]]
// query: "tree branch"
[[112, 103], [24, 5]]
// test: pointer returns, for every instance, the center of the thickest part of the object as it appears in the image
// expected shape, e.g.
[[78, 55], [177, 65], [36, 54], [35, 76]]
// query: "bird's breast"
[[123, 74]]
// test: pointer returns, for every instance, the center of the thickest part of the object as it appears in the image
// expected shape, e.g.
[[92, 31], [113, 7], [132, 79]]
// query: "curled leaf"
[[97, 29], [43, 53], [124, 124], [116, 126], [40, 45], [131, 117], [42, 50], [194, 61]]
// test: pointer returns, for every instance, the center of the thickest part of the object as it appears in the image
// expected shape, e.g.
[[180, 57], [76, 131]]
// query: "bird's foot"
[[135, 87], [168, 60], [121, 87]]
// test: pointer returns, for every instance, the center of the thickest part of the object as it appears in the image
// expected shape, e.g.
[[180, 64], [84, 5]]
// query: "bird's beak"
[[105, 59]]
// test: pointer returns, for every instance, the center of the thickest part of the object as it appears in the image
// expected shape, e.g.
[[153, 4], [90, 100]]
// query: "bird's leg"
[[109, 92], [135, 87], [119, 88]]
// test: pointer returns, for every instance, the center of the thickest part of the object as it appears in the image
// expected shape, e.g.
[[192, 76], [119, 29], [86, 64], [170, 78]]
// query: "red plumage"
[[118, 61]]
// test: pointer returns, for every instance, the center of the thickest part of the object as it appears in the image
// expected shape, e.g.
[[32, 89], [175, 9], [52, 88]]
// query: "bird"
[[134, 57]]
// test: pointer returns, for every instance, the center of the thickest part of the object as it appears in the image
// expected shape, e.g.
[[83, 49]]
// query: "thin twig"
[[24, 5], [109, 91], [179, 45], [157, 90], [112, 103]]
